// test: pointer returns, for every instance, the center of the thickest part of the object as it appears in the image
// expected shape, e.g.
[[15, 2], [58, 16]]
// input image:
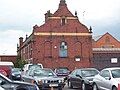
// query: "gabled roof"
[[107, 34], [63, 10], [97, 37], [53, 21]]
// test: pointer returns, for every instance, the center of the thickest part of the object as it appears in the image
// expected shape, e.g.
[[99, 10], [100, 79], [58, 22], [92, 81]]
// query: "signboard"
[[77, 59], [114, 60]]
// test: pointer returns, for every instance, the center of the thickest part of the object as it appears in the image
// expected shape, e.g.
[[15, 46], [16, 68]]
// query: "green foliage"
[[20, 62]]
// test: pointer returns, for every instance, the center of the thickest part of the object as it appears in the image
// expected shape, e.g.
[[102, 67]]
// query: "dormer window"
[[63, 21]]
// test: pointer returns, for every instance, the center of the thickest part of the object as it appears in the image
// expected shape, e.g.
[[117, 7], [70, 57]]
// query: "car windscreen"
[[115, 73], [62, 70], [43, 73], [89, 73], [16, 70], [34, 66]]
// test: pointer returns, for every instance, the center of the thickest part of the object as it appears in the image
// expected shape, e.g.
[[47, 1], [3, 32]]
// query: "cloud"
[[9, 40], [17, 17]]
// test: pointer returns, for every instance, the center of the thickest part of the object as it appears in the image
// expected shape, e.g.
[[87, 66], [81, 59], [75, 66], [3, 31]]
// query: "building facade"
[[62, 41], [106, 52], [8, 58]]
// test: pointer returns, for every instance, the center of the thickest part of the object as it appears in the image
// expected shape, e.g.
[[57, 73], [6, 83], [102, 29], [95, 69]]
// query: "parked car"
[[6, 67], [45, 78], [82, 78], [3, 63], [107, 79], [6, 70], [16, 74], [3, 72], [28, 66], [8, 84], [62, 72]]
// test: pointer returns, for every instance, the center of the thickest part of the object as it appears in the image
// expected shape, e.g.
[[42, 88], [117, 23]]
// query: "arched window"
[[47, 49], [63, 49]]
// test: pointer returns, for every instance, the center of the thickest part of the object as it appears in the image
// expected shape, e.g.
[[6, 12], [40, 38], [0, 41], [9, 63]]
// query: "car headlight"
[[61, 81], [13, 74]]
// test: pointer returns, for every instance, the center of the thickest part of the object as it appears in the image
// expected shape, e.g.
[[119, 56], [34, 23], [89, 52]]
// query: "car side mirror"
[[78, 75]]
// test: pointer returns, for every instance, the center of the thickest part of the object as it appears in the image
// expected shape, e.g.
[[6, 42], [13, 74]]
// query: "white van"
[[28, 66], [3, 63]]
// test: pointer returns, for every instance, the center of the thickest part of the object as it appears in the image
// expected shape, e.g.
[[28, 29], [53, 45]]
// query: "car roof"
[[87, 68], [111, 68], [6, 63]]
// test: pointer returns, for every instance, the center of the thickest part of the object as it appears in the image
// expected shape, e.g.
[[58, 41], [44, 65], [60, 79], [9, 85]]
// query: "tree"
[[20, 62]]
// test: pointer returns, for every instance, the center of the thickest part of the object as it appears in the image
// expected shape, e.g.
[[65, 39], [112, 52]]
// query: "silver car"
[[107, 79], [45, 78], [8, 84]]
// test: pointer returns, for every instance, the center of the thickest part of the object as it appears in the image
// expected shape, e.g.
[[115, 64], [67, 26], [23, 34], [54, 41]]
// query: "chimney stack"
[[21, 41], [48, 14]]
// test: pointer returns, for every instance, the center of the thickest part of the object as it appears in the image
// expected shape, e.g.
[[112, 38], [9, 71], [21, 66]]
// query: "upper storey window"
[[63, 21]]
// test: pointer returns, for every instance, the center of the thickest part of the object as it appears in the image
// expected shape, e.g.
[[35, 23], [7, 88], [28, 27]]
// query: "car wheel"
[[95, 87], [114, 88], [83, 86]]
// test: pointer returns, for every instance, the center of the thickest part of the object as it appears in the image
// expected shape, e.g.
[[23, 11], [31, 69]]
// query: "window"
[[47, 49], [74, 73], [63, 21], [116, 73], [63, 49], [108, 46], [105, 73]]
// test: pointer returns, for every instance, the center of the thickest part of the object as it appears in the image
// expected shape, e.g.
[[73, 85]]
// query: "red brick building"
[[62, 41], [106, 51], [9, 58]]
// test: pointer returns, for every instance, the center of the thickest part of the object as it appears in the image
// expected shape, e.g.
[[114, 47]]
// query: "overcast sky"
[[17, 18]]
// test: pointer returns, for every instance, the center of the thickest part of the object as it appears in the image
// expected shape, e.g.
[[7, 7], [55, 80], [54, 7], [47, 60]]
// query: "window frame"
[[63, 49]]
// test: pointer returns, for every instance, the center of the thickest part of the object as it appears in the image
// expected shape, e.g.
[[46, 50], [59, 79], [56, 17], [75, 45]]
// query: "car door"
[[28, 77], [105, 83], [78, 78], [75, 79], [72, 77]]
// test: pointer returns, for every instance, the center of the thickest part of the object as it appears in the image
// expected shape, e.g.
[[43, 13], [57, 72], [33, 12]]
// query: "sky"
[[17, 18]]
